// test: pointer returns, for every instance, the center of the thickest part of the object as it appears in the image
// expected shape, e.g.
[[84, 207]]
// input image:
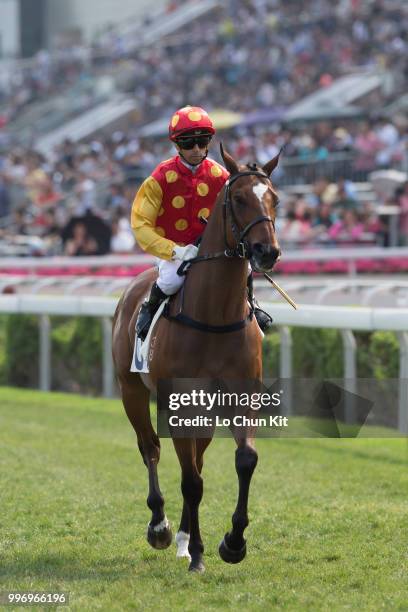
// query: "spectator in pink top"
[[367, 145], [347, 229]]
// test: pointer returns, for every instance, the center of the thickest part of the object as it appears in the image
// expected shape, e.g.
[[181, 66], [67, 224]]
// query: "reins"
[[242, 250]]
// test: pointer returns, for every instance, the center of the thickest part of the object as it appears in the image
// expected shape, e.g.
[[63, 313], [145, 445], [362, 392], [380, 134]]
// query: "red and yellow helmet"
[[190, 119]]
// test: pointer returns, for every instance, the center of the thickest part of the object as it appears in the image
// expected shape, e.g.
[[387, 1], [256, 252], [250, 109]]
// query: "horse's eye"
[[277, 202]]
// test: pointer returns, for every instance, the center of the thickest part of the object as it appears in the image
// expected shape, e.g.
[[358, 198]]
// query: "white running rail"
[[345, 319]]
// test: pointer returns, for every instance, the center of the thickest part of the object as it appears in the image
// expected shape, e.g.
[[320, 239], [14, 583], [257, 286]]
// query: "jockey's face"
[[193, 148]]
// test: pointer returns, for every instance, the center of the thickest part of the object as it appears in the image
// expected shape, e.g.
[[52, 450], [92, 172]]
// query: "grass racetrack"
[[328, 518]]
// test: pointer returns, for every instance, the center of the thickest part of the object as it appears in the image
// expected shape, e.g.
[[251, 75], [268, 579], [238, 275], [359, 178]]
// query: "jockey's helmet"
[[190, 120]]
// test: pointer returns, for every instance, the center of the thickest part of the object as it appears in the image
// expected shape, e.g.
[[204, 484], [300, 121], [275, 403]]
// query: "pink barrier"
[[78, 271], [339, 266], [336, 266]]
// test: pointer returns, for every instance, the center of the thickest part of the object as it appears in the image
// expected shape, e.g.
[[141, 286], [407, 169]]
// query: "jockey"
[[169, 204]]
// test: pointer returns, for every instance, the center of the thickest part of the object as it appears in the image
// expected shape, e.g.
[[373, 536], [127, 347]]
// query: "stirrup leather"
[[147, 311]]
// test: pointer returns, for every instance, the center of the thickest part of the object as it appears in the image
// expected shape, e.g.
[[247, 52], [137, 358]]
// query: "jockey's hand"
[[181, 253]]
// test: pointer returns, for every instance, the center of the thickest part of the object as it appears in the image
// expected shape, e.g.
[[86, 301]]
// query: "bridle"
[[242, 248]]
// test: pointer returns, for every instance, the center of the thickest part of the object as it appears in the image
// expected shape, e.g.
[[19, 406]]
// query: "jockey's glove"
[[181, 253]]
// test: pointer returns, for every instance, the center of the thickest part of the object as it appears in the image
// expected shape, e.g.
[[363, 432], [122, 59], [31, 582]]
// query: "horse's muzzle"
[[264, 256]]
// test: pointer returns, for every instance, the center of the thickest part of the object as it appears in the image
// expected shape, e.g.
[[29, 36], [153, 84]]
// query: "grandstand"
[[327, 83]]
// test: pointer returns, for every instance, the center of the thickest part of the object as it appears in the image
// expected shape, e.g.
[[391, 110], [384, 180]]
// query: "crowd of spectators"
[[263, 53], [331, 214], [252, 53], [353, 148], [76, 204], [246, 55], [79, 202]]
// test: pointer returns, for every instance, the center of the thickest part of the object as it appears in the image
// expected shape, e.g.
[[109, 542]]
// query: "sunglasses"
[[189, 142]]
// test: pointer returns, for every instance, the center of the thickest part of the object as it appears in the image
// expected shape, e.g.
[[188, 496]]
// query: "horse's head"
[[249, 212]]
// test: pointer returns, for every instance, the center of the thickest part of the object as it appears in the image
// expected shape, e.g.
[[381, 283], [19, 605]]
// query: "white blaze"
[[259, 190]]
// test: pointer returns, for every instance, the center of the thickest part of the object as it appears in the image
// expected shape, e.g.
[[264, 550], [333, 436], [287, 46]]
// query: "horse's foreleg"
[[233, 547], [183, 535], [136, 403], [192, 490]]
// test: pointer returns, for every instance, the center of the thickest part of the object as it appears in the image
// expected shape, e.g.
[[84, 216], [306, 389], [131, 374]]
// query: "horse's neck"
[[216, 290]]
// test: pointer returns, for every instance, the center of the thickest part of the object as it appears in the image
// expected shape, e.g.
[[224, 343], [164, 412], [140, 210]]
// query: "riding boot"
[[148, 310], [265, 321]]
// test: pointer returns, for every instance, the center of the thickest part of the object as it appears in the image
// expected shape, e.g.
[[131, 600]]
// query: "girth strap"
[[184, 319]]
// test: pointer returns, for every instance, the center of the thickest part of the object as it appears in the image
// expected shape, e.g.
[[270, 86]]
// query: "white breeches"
[[169, 281]]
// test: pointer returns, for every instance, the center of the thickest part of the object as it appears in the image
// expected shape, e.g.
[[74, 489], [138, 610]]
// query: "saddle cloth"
[[140, 362]]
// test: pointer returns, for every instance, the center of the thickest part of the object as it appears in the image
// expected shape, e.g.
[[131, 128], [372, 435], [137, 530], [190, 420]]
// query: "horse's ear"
[[230, 163], [270, 166]]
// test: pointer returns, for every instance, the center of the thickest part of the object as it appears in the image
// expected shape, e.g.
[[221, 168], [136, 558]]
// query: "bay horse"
[[216, 338]]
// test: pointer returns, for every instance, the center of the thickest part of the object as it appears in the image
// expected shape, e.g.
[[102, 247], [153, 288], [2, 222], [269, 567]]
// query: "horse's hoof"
[[159, 539], [229, 555], [197, 566]]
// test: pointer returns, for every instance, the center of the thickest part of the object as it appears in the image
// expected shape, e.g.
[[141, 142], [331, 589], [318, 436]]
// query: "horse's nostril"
[[266, 250], [265, 254], [258, 248], [276, 252]]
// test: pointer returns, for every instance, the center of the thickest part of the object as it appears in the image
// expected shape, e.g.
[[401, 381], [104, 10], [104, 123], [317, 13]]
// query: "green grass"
[[328, 528]]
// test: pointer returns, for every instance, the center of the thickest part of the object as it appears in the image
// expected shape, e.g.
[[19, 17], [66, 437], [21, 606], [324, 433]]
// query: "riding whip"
[[281, 291]]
